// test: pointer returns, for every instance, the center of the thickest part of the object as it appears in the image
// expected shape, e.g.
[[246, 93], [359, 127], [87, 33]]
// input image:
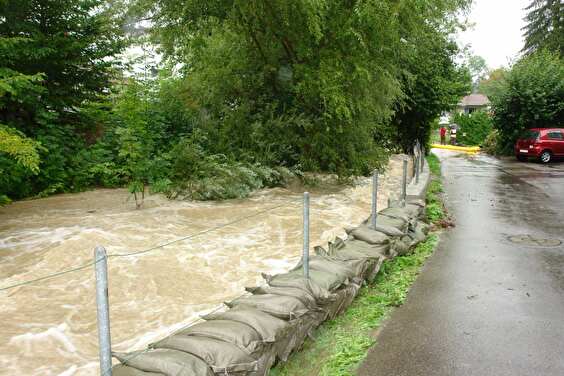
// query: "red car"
[[540, 143]]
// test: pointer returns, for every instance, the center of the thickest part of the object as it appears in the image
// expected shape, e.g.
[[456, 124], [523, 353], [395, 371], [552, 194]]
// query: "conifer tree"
[[545, 26]]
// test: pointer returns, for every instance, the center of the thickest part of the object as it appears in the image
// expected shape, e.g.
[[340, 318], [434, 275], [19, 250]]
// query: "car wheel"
[[546, 156], [521, 158]]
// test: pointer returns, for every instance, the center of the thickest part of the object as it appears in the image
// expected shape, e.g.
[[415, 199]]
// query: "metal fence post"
[[103, 311], [305, 257], [415, 155], [422, 158], [404, 182], [374, 198], [417, 168]]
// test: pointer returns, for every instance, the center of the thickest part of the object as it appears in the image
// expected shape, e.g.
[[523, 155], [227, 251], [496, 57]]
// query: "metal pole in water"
[[374, 198], [404, 183], [103, 311], [306, 236]]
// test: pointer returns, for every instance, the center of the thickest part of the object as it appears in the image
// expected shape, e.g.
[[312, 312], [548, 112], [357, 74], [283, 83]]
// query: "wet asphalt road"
[[484, 305]]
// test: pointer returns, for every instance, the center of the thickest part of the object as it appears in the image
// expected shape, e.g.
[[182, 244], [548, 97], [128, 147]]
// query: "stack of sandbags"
[[273, 320]]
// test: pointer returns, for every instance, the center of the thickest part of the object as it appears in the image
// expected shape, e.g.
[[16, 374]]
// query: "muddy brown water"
[[49, 328]]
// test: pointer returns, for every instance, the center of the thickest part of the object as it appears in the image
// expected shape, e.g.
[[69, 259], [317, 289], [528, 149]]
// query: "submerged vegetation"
[[227, 97], [341, 344]]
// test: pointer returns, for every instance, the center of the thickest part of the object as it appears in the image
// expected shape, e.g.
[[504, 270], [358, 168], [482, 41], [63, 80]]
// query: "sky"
[[496, 35]]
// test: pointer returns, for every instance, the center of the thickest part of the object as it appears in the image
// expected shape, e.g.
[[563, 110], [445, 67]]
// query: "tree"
[[473, 128], [531, 96], [308, 82], [136, 138], [20, 148], [67, 41], [54, 56], [432, 84], [493, 83], [545, 26], [478, 69]]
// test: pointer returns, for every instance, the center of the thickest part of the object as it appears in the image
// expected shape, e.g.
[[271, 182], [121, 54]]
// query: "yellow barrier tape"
[[467, 149]]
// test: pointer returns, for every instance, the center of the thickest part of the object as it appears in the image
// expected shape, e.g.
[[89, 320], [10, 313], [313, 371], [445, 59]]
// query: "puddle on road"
[[49, 328]]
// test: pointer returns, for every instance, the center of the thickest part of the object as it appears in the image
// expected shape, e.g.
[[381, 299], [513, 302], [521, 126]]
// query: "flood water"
[[49, 328]]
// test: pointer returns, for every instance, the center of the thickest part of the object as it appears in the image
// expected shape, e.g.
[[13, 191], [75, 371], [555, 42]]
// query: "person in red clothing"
[[443, 135]]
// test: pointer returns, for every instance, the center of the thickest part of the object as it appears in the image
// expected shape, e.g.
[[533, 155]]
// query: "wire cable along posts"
[[92, 263]]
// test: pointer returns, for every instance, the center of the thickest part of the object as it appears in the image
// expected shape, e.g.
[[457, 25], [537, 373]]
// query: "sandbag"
[[335, 245], [363, 263], [413, 208], [265, 362], [273, 331], [418, 202], [369, 235], [303, 296], [397, 213], [344, 298], [166, 361], [402, 245], [303, 327], [361, 266], [370, 250], [121, 370], [423, 227], [241, 335], [297, 280], [398, 223], [320, 283], [385, 229], [223, 357], [284, 307], [418, 232], [330, 265], [269, 327], [374, 269]]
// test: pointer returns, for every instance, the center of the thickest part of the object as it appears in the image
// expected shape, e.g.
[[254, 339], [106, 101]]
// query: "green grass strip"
[[434, 164], [341, 344]]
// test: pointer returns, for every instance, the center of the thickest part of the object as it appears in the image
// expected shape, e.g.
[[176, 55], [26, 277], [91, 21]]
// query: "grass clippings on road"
[[341, 344]]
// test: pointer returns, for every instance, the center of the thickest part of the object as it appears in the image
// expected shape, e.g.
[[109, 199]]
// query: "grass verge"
[[435, 209], [341, 344]]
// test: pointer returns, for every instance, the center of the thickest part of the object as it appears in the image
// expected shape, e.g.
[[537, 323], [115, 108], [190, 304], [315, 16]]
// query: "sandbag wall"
[[266, 325]]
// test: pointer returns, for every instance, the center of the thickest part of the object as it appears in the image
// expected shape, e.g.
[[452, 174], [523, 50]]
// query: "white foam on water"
[[277, 266], [69, 372], [153, 294], [25, 239], [54, 334]]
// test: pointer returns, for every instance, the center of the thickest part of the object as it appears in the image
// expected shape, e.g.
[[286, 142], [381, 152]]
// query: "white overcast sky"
[[496, 34]]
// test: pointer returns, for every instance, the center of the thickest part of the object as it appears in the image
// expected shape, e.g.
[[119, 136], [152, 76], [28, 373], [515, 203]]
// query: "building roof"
[[474, 100]]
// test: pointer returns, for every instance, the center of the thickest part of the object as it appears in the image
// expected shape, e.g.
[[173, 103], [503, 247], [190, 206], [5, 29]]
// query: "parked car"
[[543, 144]]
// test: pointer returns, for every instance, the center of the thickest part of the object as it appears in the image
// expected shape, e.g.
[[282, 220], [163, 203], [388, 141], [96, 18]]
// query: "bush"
[[531, 96], [200, 176], [491, 143], [473, 128]]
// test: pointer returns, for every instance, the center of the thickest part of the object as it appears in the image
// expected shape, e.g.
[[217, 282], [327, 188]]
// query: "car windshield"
[[530, 135]]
